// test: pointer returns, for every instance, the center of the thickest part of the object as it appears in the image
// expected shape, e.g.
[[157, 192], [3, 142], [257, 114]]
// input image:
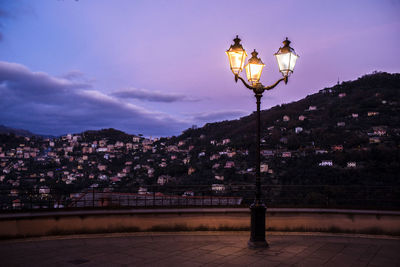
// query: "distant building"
[[191, 170], [216, 166], [264, 167], [229, 164], [268, 153], [341, 124], [374, 140], [218, 187], [219, 177], [188, 194], [214, 157], [311, 108], [325, 163], [354, 115], [298, 129], [286, 154], [337, 148], [231, 154], [351, 164], [102, 167], [181, 143], [302, 118], [226, 141], [372, 113], [286, 118], [163, 179], [379, 130], [341, 95], [142, 191]]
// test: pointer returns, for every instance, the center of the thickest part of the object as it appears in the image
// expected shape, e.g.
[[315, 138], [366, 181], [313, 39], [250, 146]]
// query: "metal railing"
[[233, 195]]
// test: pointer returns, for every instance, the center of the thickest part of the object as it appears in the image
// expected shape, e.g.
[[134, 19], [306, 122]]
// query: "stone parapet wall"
[[98, 221]]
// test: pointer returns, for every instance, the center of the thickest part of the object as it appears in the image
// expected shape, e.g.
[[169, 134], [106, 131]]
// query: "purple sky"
[[158, 67]]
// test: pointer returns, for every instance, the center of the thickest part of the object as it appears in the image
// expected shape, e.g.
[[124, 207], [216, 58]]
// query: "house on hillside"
[[219, 177], [268, 153], [326, 163], [311, 108], [286, 118], [191, 170], [188, 194], [379, 130], [374, 140], [142, 191], [163, 179], [229, 164], [218, 187], [264, 167], [101, 167], [302, 118], [298, 129], [372, 113], [337, 148], [216, 166], [214, 157], [351, 164], [226, 141]]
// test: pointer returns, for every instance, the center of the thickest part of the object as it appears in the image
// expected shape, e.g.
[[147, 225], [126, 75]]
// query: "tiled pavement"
[[201, 249]]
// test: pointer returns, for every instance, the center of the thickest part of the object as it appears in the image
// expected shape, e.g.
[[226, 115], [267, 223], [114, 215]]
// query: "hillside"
[[19, 132], [339, 147], [378, 92]]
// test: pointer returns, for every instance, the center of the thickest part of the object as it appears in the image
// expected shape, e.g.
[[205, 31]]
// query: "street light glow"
[[237, 55], [254, 68], [286, 58]]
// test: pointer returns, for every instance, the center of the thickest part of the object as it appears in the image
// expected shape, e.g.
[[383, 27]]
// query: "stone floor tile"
[[225, 251]]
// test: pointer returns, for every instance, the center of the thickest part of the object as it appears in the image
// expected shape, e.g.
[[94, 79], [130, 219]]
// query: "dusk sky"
[[159, 67]]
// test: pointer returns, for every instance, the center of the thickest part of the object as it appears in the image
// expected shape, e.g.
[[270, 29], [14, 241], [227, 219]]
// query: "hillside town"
[[299, 141]]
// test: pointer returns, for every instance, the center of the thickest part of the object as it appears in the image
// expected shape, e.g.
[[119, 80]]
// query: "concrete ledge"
[[134, 220]]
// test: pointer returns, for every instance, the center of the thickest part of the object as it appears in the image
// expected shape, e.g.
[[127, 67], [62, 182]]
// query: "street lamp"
[[286, 58]]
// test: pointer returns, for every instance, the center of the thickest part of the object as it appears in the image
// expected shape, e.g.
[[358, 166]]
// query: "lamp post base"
[[257, 236]]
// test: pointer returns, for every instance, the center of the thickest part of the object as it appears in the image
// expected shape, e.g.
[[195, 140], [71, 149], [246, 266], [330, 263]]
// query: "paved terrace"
[[202, 249]]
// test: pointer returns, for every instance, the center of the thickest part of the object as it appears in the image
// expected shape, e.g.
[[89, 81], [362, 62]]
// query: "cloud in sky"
[[49, 105], [154, 96], [219, 115], [3, 14]]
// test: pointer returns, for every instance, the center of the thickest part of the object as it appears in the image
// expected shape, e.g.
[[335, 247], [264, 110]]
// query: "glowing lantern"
[[254, 68], [237, 56], [286, 58]]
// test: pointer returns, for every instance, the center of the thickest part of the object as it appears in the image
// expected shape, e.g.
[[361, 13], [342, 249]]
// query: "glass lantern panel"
[[253, 72], [286, 62], [236, 60], [292, 63]]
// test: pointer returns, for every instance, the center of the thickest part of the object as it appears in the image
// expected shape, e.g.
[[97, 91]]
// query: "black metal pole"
[[257, 237], [258, 162]]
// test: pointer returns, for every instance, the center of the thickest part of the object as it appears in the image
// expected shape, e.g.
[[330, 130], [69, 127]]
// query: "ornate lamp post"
[[286, 58]]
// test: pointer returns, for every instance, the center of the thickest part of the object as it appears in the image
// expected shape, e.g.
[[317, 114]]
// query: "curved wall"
[[97, 221]]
